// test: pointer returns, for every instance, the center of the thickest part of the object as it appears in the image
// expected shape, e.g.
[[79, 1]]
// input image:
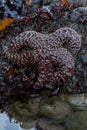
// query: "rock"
[[46, 2], [83, 3], [24, 111], [35, 1], [77, 101], [11, 8], [28, 125], [48, 125], [77, 121], [78, 12], [84, 59], [33, 105], [55, 110], [28, 3]]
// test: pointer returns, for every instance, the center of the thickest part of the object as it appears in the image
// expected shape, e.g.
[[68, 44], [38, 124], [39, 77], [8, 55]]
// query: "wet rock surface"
[[77, 121], [55, 110], [10, 8], [24, 111], [48, 125], [77, 101], [32, 114], [28, 125]]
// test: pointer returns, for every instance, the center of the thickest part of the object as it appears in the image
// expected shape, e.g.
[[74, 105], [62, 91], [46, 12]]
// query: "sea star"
[[47, 53]]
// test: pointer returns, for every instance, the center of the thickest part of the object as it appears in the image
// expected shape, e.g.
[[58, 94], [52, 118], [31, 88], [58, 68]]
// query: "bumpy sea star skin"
[[69, 37], [47, 53]]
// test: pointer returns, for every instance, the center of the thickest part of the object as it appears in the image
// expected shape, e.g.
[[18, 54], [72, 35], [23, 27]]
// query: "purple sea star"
[[47, 52]]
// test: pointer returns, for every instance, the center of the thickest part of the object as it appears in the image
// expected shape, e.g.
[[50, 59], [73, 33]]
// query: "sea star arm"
[[45, 74], [64, 62], [68, 36], [16, 54]]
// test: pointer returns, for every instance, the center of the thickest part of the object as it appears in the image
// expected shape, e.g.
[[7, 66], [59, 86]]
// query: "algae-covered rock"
[[55, 110], [28, 125], [77, 121], [48, 125], [77, 101], [24, 111]]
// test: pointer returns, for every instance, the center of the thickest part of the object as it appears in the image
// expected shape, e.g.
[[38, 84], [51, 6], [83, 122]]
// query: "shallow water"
[[6, 124]]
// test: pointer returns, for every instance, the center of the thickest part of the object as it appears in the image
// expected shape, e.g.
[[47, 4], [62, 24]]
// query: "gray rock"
[[82, 2], [78, 12], [77, 101], [84, 59]]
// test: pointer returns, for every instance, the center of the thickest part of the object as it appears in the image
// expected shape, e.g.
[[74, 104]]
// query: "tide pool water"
[[6, 124]]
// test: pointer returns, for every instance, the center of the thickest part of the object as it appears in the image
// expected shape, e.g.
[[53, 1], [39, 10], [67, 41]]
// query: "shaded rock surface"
[[24, 111], [48, 125], [77, 101], [62, 113], [77, 121], [56, 110]]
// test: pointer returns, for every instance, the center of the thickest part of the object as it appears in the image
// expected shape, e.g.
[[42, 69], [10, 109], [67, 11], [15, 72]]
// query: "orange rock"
[[64, 2], [5, 23]]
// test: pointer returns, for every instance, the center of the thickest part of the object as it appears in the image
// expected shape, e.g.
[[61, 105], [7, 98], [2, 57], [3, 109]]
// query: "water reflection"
[[7, 124]]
